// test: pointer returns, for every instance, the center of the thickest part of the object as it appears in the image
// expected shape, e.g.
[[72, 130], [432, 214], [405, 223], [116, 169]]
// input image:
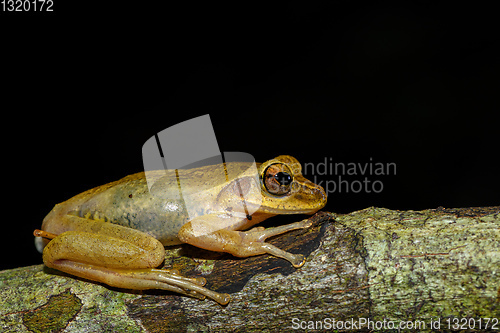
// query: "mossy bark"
[[375, 265]]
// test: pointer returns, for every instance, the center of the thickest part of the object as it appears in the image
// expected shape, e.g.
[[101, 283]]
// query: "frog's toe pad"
[[223, 299], [200, 281], [298, 260]]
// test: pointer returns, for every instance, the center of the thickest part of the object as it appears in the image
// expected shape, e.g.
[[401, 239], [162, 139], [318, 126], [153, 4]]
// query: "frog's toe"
[[200, 281], [306, 223], [196, 295], [175, 274], [220, 298], [297, 260], [223, 299], [255, 229], [172, 271]]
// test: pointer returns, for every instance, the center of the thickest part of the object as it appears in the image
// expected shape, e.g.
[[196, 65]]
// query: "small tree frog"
[[116, 233]]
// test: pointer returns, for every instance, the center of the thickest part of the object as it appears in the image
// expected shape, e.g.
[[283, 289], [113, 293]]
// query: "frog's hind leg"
[[241, 243], [141, 279], [119, 257]]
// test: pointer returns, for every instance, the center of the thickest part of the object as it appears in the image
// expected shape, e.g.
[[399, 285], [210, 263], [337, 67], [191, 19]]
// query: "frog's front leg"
[[204, 232], [119, 257]]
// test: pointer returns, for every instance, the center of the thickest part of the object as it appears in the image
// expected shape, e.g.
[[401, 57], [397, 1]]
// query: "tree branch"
[[367, 266]]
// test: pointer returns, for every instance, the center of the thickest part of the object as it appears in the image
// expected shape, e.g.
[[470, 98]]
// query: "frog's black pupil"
[[283, 178]]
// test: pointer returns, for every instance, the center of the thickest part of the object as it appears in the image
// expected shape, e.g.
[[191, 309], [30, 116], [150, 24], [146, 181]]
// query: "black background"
[[414, 84]]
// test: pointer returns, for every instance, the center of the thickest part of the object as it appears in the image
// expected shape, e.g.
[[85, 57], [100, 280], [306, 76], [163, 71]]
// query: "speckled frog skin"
[[116, 233]]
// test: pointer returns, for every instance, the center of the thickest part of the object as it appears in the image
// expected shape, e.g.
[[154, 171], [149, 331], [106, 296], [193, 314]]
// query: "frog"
[[116, 234]]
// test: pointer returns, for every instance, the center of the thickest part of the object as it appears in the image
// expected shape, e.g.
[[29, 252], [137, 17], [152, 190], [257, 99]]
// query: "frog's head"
[[285, 191], [276, 187]]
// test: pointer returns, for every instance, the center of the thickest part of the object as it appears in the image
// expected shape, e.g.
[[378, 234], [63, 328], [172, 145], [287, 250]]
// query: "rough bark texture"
[[370, 265]]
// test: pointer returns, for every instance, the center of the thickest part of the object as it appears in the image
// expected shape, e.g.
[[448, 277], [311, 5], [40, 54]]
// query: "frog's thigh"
[[239, 243], [112, 252]]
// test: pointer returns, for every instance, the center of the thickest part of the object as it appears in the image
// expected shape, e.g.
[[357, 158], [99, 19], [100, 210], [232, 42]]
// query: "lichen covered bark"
[[37, 299], [375, 264], [431, 264]]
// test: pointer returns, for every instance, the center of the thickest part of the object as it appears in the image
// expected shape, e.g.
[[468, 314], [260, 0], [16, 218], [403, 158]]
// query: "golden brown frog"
[[116, 233]]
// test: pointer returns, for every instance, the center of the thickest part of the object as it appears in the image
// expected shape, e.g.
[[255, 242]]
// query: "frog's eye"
[[278, 179]]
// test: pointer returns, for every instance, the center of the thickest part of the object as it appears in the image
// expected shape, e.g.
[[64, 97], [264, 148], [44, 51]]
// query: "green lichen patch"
[[54, 315], [190, 260]]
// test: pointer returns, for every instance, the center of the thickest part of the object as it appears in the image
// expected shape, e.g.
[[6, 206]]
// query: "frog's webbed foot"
[[244, 243]]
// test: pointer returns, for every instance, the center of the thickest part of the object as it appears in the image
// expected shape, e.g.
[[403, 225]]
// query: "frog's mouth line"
[[288, 211], [283, 211]]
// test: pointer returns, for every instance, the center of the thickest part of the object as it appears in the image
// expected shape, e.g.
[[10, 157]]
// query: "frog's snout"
[[319, 195], [320, 192], [309, 195]]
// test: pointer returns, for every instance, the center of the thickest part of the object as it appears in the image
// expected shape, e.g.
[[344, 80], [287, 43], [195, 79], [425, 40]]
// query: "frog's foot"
[[257, 236], [245, 244], [142, 279]]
